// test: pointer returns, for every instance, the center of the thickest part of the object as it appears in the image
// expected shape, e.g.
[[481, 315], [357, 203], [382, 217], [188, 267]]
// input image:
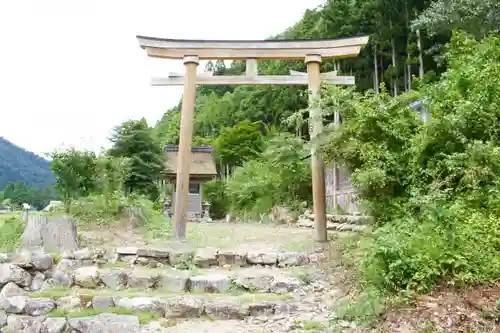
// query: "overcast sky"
[[70, 70]]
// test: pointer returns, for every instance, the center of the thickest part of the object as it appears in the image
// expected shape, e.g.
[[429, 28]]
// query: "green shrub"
[[215, 192], [416, 254], [98, 208], [104, 210], [157, 224], [433, 187], [281, 176]]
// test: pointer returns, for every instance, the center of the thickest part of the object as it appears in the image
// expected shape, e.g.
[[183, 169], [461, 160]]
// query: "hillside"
[[19, 165]]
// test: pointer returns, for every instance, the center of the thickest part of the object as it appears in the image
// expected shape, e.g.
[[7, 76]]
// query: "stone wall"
[[26, 274], [337, 222], [34, 270]]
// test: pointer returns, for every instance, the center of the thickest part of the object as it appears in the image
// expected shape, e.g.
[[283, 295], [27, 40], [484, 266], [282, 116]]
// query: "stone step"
[[144, 322], [217, 292], [153, 257], [87, 295], [306, 223], [262, 324], [342, 219], [210, 257], [35, 271], [263, 280], [25, 312]]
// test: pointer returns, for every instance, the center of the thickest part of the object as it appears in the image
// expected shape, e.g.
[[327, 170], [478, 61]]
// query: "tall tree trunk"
[[405, 78], [375, 70], [408, 56], [394, 77], [420, 56], [382, 79], [394, 66], [408, 65]]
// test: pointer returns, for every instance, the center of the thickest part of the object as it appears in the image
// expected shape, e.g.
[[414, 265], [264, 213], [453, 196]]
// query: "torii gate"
[[192, 51]]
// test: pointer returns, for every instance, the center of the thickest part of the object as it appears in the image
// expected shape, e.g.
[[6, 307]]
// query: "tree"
[[220, 67], [17, 193], [239, 143], [134, 140], [75, 173]]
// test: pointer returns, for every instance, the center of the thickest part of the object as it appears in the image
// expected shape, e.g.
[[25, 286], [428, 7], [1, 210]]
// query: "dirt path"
[[218, 235]]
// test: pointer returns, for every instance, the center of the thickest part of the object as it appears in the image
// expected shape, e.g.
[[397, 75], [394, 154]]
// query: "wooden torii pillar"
[[192, 51]]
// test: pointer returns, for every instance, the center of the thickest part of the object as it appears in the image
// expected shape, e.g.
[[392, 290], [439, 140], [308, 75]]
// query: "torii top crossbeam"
[[312, 52], [249, 49]]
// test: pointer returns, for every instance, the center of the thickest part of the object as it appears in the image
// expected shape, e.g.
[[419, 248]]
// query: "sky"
[[71, 70]]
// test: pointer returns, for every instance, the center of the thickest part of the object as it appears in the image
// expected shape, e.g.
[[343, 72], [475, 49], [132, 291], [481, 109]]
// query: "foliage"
[[100, 190], [19, 193], [20, 166], [479, 17], [434, 187], [75, 173], [373, 142], [280, 176], [111, 173], [394, 55], [152, 219], [11, 229], [449, 243], [103, 210], [241, 142], [134, 140], [215, 192], [367, 306]]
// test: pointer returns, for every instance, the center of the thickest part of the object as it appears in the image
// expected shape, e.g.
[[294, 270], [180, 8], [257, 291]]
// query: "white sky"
[[70, 70]]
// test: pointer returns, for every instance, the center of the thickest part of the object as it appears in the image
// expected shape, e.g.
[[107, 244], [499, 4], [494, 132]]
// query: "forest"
[[433, 186]]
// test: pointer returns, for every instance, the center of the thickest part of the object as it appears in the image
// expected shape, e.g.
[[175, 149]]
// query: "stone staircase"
[[150, 290]]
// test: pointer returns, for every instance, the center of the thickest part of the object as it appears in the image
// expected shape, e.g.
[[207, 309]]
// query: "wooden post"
[[251, 67], [317, 166], [184, 156], [336, 171]]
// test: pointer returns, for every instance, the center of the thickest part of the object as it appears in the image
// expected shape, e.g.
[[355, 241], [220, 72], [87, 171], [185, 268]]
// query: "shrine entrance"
[[192, 51]]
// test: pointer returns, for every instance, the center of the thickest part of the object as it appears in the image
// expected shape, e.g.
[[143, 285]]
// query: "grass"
[[144, 316], [305, 274], [187, 271], [87, 294], [428, 327], [313, 325], [11, 229], [362, 304], [363, 309]]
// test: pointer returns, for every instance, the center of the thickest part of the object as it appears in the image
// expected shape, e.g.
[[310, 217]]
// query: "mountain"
[[18, 165]]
